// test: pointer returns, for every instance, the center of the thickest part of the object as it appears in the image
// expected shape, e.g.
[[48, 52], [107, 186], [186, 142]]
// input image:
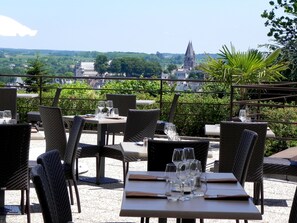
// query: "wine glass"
[[189, 154], [170, 172], [7, 116], [177, 156], [182, 173], [242, 115], [1, 117], [109, 105], [101, 105], [195, 170], [170, 130]]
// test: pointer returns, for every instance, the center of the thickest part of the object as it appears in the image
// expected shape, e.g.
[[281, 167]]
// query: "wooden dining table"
[[101, 130], [235, 205]]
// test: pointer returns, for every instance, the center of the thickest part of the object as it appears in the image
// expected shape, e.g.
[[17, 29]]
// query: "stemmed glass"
[[182, 173], [109, 105], [7, 116], [242, 115], [177, 156], [1, 117], [195, 170], [101, 106], [170, 130], [189, 154]]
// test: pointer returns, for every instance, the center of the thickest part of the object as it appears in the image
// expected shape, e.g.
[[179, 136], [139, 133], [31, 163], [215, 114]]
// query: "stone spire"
[[190, 59]]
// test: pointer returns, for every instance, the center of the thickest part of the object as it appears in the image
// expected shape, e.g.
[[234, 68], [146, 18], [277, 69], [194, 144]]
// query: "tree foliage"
[[101, 64], [284, 30], [36, 70], [234, 67], [135, 67]]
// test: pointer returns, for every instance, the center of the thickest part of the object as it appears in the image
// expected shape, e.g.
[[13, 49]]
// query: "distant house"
[[85, 69]]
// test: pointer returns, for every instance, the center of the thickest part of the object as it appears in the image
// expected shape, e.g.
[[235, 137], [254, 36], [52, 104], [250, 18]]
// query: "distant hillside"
[[62, 62]]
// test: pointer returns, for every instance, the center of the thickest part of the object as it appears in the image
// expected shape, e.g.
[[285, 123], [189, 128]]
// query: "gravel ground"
[[101, 203]]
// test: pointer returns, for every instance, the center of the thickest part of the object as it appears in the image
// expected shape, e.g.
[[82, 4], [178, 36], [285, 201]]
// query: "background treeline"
[[59, 62]]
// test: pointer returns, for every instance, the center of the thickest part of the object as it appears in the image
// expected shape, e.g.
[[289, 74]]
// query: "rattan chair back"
[[54, 129], [8, 100], [140, 124], [14, 159], [54, 171], [243, 155]]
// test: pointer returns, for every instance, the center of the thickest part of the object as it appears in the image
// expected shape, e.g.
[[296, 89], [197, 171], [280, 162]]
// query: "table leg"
[[2, 199], [101, 130]]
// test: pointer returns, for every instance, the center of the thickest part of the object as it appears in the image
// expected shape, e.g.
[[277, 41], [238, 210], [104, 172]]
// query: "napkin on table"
[[145, 177], [138, 194]]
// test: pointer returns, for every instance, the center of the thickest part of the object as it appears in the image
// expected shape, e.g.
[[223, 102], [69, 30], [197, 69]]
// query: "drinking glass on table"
[[7, 116], [189, 154], [182, 173], [115, 112], [1, 117], [177, 156], [101, 106], [195, 171], [171, 182], [109, 106], [170, 130], [242, 115]]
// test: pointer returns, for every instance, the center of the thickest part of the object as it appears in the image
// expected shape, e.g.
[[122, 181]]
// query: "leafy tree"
[[36, 70], [284, 30], [234, 67], [171, 67], [101, 64]]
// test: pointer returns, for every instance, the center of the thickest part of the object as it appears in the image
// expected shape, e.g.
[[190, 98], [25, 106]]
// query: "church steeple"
[[190, 59]]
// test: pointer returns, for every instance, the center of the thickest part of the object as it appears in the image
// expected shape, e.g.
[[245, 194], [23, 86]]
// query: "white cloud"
[[10, 27]]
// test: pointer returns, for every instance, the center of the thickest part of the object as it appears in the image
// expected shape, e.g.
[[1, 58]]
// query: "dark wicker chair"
[[54, 172], [70, 156], [55, 138], [243, 155], [140, 124], [123, 102], [54, 129], [44, 194], [230, 134], [160, 153], [293, 213], [14, 159], [160, 123], [34, 116], [8, 100]]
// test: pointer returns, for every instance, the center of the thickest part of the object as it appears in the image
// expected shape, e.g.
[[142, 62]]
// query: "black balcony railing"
[[196, 107]]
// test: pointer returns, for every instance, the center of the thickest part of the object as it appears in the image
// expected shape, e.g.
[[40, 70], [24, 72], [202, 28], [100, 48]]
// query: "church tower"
[[190, 59]]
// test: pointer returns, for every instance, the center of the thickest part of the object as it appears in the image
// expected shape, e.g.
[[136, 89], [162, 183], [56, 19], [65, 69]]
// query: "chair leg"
[[76, 168], [70, 192], [124, 172], [98, 169], [113, 138], [28, 205], [77, 195], [262, 197], [22, 202]]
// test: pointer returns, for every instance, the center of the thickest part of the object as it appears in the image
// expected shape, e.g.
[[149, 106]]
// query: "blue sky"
[[135, 25]]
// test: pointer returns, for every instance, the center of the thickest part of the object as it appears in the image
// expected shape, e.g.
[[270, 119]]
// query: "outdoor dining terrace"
[[189, 128], [102, 203]]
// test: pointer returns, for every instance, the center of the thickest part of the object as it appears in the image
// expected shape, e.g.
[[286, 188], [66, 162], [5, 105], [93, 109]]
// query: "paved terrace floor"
[[101, 203]]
